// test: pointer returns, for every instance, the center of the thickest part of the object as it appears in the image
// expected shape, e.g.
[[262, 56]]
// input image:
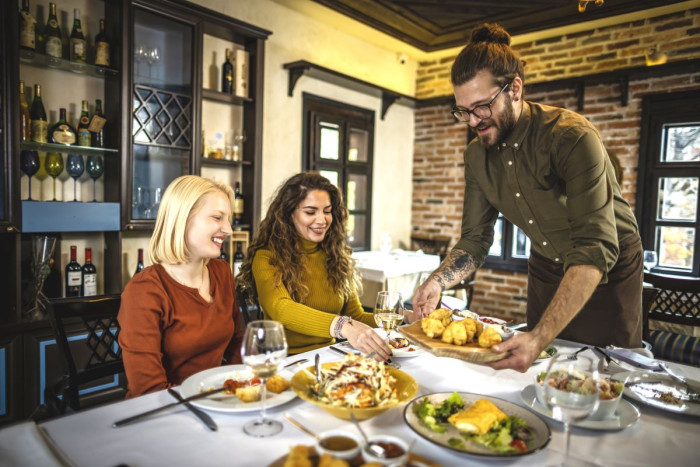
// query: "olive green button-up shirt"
[[552, 178]]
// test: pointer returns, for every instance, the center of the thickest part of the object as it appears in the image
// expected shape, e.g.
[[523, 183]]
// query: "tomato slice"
[[519, 444]]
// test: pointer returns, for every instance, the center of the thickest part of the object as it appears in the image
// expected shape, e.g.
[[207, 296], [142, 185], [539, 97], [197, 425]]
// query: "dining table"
[[176, 437]]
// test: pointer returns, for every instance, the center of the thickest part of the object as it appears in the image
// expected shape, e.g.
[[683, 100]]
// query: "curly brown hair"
[[278, 234]]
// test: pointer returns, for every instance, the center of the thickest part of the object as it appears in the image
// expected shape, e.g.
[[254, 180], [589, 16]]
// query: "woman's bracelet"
[[339, 325]]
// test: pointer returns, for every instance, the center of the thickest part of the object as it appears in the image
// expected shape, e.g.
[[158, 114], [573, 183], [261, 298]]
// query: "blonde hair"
[[181, 200]]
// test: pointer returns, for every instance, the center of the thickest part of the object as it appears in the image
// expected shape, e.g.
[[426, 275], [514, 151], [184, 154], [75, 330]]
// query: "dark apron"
[[612, 316]]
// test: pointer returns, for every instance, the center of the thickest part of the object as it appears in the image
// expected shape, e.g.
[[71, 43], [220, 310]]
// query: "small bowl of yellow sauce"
[[338, 443]]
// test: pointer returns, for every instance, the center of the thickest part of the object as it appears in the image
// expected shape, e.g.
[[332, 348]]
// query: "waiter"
[[547, 171]]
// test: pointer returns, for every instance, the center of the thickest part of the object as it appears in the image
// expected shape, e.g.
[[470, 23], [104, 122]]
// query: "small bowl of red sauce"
[[499, 325], [395, 450]]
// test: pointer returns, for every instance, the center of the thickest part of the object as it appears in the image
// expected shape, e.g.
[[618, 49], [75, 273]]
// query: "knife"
[[203, 416], [139, 416]]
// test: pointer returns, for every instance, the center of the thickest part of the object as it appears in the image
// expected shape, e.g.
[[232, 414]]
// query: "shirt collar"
[[516, 137], [308, 246]]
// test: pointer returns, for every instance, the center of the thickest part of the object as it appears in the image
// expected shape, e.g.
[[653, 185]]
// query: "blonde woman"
[[301, 266], [179, 316]]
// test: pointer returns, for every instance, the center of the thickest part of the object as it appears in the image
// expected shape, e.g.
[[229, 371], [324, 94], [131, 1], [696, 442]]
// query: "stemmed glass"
[[571, 391], [54, 167], [29, 164], [42, 260], [95, 168], [389, 311], [264, 349], [153, 57], [650, 259], [75, 168]]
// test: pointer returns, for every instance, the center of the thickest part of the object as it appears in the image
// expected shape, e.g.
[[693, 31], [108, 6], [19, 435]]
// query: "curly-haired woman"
[[302, 269]]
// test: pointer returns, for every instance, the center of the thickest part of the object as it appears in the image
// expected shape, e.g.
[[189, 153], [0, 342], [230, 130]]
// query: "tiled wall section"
[[438, 166]]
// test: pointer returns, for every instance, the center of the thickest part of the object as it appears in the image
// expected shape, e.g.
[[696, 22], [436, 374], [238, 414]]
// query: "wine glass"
[[571, 391], [54, 167], [95, 168], [29, 164], [389, 311], [75, 168], [264, 349], [650, 259]]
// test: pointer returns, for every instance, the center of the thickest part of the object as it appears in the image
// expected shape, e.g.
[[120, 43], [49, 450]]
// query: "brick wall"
[[438, 166]]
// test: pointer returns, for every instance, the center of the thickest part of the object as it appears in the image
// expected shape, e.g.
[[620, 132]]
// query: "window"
[[338, 142], [510, 249], [667, 186]]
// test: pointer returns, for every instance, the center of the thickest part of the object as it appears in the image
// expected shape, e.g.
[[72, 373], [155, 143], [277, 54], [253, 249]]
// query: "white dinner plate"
[[215, 377], [542, 433], [657, 383], [411, 350], [625, 416]]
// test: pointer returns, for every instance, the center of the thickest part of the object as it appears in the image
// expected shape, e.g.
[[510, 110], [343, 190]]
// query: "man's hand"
[[426, 298], [524, 349]]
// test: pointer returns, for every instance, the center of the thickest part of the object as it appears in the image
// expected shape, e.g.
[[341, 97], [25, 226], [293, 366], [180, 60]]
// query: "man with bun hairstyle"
[[547, 171]]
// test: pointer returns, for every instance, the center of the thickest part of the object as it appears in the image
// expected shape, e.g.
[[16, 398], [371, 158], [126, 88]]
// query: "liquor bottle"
[[84, 135], [237, 259], [238, 205], [74, 275], [139, 265], [62, 132], [97, 126], [25, 119], [227, 74], [89, 272], [52, 33], [27, 28], [39, 124], [77, 40], [102, 46]]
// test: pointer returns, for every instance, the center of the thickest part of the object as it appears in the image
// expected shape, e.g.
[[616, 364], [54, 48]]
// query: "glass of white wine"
[[264, 349], [389, 311]]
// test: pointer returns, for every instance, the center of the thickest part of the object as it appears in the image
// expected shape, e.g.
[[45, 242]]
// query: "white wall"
[[300, 37]]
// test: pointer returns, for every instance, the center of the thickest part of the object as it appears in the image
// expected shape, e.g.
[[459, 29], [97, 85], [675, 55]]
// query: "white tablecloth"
[[177, 438]]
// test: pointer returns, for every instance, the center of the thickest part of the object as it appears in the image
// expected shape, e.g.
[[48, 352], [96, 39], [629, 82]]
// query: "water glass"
[[75, 167]]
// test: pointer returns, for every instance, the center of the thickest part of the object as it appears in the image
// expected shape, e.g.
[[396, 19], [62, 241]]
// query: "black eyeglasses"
[[480, 111]]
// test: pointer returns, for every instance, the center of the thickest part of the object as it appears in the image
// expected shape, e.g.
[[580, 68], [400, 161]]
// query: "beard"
[[502, 125]]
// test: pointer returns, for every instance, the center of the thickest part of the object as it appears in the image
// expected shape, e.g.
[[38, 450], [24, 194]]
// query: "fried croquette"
[[489, 337], [249, 393], [432, 328], [455, 333], [298, 457], [443, 315], [327, 460], [277, 384]]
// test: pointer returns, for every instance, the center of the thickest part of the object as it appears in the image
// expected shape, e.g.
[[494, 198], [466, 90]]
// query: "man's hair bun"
[[490, 33]]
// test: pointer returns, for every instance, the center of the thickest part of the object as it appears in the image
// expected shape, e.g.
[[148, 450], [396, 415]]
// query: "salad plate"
[[625, 415], [449, 438], [215, 377], [547, 354], [659, 390]]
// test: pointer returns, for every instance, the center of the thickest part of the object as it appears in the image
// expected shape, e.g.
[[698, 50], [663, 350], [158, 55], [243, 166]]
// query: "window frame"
[[658, 111], [506, 261]]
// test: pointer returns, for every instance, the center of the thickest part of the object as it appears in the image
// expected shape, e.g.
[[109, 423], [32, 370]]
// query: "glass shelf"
[[224, 162], [66, 149], [41, 60], [211, 95]]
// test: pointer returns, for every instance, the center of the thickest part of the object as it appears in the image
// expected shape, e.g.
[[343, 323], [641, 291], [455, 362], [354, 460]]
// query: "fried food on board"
[[298, 457], [432, 327], [479, 418], [438, 325], [489, 337], [327, 460]]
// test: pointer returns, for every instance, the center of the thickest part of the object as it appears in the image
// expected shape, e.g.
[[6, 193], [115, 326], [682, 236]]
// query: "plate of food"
[[244, 392], [465, 339], [478, 425], [661, 391], [547, 354], [400, 346]]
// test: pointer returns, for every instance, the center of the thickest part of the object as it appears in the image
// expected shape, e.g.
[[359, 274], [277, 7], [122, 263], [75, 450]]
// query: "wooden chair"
[[432, 245], [248, 306], [89, 360]]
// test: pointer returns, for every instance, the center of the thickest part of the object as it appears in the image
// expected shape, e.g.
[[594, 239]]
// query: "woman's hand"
[[364, 339]]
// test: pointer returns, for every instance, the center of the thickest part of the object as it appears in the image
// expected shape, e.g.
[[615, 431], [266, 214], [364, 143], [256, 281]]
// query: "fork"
[[574, 356]]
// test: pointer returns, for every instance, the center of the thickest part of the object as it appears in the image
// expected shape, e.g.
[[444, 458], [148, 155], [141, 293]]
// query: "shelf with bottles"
[[211, 95], [223, 162], [37, 59]]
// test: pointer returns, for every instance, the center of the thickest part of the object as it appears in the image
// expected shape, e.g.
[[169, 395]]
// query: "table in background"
[[397, 270]]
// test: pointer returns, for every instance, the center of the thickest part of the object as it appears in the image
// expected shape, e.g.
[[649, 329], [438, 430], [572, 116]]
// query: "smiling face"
[[313, 217], [481, 90], [208, 227]]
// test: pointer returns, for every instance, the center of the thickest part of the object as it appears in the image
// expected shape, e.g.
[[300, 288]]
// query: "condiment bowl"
[[395, 449], [499, 325], [338, 443]]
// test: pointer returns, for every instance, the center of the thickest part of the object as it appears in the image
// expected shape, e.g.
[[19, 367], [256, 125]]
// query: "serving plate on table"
[[541, 430], [413, 460], [625, 416], [551, 352], [471, 352], [215, 377], [411, 351], [647, 387]]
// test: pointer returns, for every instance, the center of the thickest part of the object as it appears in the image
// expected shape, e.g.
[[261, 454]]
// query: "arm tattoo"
[[458, 265]]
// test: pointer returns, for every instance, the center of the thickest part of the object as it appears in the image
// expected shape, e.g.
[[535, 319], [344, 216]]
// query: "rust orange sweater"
[[169, 332]]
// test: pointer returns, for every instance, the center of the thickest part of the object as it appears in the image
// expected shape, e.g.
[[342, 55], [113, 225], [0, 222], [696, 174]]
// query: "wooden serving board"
[[470, 352], [357, 461]]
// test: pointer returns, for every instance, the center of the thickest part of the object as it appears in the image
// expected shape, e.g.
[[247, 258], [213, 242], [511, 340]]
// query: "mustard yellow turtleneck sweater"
[[307, 324]]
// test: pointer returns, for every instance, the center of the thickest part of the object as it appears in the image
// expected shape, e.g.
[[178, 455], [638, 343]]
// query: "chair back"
[[86, 360], [247, 302], [432, 245]]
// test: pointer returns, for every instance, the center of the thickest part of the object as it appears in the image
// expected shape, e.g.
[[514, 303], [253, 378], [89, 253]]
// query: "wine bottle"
[[89, 275], [84, 135], [77, 40], [238, 259], [97, 126], [139, 265], [223, 254], [25, 119], [38, 116], [27, 28], [62, 132], [52, 33], [238, 205], [73, 274], [102, 46], [227, 74]]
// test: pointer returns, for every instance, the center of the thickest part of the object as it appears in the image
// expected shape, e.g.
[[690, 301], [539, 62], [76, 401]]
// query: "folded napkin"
[[639, 358]]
